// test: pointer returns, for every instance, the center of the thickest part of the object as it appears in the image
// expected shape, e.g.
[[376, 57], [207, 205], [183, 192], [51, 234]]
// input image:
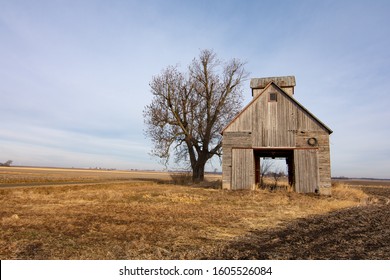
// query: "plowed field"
[[361, 232]]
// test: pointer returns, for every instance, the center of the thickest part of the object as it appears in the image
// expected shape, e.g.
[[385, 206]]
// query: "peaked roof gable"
[[287, 96]]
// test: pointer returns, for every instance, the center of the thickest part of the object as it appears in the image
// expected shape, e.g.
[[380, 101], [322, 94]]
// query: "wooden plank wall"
[[306, 170], [241, 139], [323, 154], [276, 124], [280, 124], [242, 169], [243, 122]]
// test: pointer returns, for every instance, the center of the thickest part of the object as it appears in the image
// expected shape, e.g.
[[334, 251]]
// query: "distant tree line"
[[7, 163]]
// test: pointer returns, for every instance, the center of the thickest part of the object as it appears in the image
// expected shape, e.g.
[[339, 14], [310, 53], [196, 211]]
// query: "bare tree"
[[277, 175], [189, 110], [265, 167]]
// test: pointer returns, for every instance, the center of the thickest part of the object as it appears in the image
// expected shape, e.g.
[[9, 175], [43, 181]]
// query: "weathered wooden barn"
[[274, 124]]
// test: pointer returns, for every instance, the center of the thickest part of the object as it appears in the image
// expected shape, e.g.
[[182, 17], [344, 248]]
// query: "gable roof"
[[287, 96]]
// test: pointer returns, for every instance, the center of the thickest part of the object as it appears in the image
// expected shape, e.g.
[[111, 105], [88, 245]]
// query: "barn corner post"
[[275, 124]]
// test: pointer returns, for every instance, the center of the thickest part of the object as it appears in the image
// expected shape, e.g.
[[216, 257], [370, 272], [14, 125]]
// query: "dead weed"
[[144, 220]]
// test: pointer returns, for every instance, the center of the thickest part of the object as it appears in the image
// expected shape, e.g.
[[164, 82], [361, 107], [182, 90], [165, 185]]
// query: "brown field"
[[90, 214]]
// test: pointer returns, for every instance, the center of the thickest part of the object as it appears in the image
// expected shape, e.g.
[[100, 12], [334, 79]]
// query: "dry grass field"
[[91, 214]]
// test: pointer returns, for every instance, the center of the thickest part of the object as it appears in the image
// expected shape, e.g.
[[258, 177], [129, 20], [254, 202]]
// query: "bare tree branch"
[[189, 110]]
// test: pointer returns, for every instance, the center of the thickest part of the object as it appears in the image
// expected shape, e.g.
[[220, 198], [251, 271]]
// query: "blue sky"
[[74, 75]]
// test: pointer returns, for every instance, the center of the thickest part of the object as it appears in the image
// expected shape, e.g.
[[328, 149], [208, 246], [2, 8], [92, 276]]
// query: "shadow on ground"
[[356, 233]]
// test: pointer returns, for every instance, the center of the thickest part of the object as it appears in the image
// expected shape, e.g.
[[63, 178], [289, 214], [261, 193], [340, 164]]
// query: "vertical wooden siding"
[[232, 140], [284, 123], [306, 170], [323, 153], [242, 169], [275, 124]]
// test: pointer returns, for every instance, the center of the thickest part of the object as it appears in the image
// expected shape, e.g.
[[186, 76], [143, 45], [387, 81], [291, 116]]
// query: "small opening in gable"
[[272, 96]]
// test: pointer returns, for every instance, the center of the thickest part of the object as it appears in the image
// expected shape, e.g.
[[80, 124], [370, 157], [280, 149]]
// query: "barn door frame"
[[287, 153]]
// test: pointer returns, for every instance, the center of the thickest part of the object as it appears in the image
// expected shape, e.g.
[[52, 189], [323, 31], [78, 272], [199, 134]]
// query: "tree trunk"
[[198, 171]]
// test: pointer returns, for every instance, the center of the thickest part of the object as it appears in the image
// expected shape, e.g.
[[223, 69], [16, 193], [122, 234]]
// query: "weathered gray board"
[[276, 123], [242, 169], [306, 170]]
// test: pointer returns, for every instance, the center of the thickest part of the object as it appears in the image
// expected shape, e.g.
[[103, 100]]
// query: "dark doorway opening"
[[263, 157]]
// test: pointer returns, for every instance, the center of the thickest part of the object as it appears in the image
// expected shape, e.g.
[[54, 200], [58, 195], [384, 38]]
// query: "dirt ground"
[[361, 232]]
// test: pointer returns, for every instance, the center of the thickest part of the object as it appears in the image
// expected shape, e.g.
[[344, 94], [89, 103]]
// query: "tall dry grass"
[[146, 220]]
